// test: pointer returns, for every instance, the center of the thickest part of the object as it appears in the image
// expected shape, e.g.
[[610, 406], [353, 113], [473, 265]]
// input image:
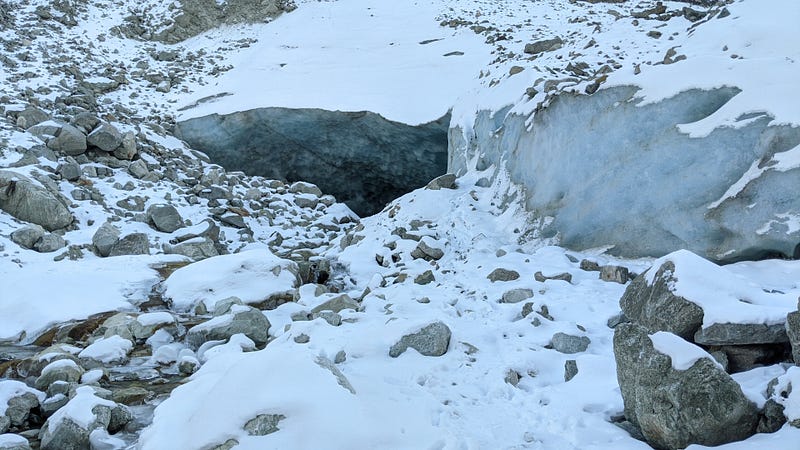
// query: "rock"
[[146, 324], [676, 403], [569, 344], [334, 319], [617, 319], [263, 424], [570, 369], [302, 338], [242, 319], [742, 358], [20, 400], [793, 333], [616, 274], [772, 417], [547, 45], [132, 244], [589, 266], [31, 203], [127, 150], [196, 249], [68, 140], [70, 171], [62, 370], [431, 340], [512, 377], [425, 278], [49, 243], [301, 187], [131, 396], [85, 121], [336, 304], [540, 277], [500, 274], [13, 442], [69, 427], [105, 238], [138, 169], [446, 181], [741, 334], [106, 137], [655, 306], [164, 218], [27, 236], [517, 295], [31, 116], [426, 252]]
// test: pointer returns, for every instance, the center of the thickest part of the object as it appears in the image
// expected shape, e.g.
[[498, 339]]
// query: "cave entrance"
[[361, 158]]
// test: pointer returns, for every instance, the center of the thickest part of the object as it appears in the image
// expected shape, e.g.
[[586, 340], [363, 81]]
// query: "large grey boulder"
[[569, 344], [61, 137], [69, 427], [431, 340], [105, 238], [670, 190], [27, 236], [106, 137], [31, 116], [164, 218], [241, 319], [132, 244], [19, 401], [61, 370], [678, 402], [26, 201], [197, 249]]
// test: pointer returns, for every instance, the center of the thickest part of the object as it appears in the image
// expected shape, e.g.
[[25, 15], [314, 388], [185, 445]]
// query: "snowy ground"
[[498, 386]]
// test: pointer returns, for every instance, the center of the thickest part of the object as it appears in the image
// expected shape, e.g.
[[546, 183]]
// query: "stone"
[[263, 424], [336, 304], [61, 370], [106, 137], [500, 274], [131, 396], [616, 274], [425, 278], [196, 249], [31, 116], [68, 140], [21, 198], [242, 319], [570, 369], [677, 407], [742, 358], [546, 45], [446, 181], [164, 218], [793, 333], [741, 334], [426, 252], [772, 417], [540, 277], [617, 319], [431, 340], [512, 377], [657, 308], [301, 187], [27, 236], [138, 169], [132, 244], [13, 442], [69, 171], [49, 243], [127, 149], [331, 317], [569, 344], [104, 239], [20, 404], [63, 432], [517, 295], [589, 265], [85, 121], [302, 338]]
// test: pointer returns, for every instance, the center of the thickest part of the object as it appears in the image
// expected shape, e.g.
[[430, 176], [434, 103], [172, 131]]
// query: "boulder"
[[431, 340], [27, 236], [61, 370], [517, 295], [546, 45], [336, 304], [616, 274], [196, 249], [132, 244], [31, 116], [241, 319], [65, 138], [49, 243], [501, 274], [569, 344], [13, 442], [741, 334], [26, 201], [426, 252], [164, 218], [19, 400], [105, 238], [676, 393], [69, 427]]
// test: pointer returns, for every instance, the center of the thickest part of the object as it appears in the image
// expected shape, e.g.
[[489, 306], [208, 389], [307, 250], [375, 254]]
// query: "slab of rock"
[[517, 295], [336, 304], [616, 274], [679, 399], [132, 244], [501, 274], [569, 344], [546, 45], [27, 236], [164, 218], [741, 334], [26, 201], [241, 319], [106, 137], [431, 340]]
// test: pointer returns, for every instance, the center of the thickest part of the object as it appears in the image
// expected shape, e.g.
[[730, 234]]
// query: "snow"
[[12, 388], [155, 318], [682, 353], [112, 349], [791, 404], [726, 297], [251, 275], [60, 364], [754, 382], [9, 440]]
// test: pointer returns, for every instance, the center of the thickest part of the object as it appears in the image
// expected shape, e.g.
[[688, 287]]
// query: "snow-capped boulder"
[[69, 427], [16, 402], [241, 319], [676, 393], [13, 442], [60, 370]]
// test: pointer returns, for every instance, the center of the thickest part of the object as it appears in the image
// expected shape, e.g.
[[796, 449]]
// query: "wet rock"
[[164, 218], [105, 238], [21, 198], [500, 274], [431, 340], [517, 295], [676, 403], [569, 344], [132, 244], [242, 319]]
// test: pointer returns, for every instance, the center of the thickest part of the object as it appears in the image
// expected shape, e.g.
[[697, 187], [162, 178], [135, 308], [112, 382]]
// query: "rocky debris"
[[426, 252], [516, 295], [164, 218], [21, 198], [676, 403], [569, 344], [431, 340], [241, 319], [540, 277], [501, 274]]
